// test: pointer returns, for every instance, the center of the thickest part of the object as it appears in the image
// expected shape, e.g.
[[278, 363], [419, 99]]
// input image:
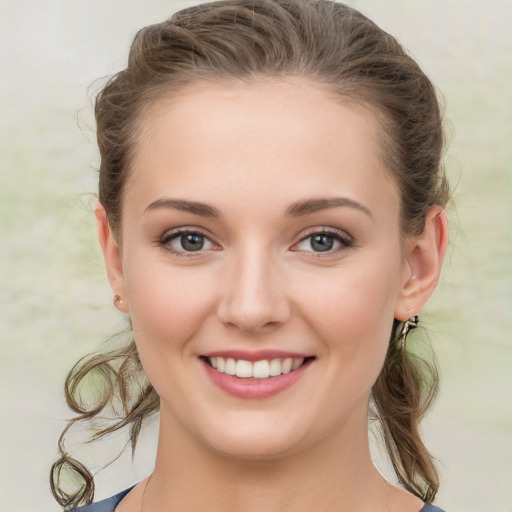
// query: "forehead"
[[283, 138]]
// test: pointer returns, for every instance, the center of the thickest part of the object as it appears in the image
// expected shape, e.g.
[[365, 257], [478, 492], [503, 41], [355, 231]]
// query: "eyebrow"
[[194, 207], [297, 209], [310, 206]]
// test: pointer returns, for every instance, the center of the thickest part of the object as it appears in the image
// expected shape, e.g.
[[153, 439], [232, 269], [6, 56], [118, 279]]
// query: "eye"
[[186, 241], [324, 241]]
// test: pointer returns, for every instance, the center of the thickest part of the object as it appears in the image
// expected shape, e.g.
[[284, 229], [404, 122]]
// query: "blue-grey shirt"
[[110, 504]]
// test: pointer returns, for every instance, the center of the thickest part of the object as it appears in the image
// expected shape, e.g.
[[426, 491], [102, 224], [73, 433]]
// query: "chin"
[[254, 449], [257, 440]]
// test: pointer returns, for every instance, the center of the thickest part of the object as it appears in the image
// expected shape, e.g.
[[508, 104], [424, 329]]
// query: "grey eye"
[[321, 242], [191, 241], [188, 241]]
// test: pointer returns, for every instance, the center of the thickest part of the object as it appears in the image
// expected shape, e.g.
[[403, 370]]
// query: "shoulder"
[[107, 505], [431, 508]]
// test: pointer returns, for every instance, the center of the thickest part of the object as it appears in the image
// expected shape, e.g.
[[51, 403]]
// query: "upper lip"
[[256, 355]]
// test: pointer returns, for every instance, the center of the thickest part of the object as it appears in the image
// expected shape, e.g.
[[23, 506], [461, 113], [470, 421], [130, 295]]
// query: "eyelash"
[[339, 236], [343, 238], [168, 237]]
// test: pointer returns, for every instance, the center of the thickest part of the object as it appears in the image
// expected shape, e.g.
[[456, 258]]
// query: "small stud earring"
[[117, 300]]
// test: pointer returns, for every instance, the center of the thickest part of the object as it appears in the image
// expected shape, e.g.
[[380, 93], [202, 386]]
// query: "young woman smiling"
[[271, 216]]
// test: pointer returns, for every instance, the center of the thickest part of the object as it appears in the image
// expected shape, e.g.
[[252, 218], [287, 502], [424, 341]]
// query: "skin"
[[250, 151]]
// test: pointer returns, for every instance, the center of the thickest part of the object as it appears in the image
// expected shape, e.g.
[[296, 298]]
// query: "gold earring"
[[409, 325], [117, 300]]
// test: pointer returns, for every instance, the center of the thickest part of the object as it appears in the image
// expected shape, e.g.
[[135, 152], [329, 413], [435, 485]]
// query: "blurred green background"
[[55, 301]]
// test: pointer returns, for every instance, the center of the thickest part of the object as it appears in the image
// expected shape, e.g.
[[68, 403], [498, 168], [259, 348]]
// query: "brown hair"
[[328, 43]]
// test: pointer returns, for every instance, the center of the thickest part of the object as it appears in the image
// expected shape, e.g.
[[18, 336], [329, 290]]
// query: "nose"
[[253, 296]]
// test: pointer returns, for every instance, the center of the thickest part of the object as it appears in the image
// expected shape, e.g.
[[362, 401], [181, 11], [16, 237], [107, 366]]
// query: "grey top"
[[110, 504]]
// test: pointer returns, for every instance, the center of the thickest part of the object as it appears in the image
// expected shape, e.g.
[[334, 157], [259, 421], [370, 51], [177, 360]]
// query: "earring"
[[117, 300], [409, 325]]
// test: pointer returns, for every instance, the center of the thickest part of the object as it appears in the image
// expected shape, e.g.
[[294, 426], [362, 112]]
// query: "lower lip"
[[255, 388]]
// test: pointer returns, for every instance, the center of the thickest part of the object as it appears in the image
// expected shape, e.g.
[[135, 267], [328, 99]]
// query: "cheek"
[[167, 305], [352, 312]]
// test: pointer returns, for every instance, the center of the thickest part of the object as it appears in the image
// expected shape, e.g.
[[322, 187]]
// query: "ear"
[[112, 257], [424, 257]]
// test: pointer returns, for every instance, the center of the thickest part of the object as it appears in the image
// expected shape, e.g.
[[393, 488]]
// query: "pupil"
[[192, 242], [322, 243]]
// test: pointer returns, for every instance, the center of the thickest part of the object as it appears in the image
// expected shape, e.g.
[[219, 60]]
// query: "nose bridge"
[[253, 296]]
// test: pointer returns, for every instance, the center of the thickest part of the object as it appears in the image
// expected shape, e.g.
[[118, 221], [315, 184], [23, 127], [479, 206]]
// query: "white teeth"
[[286, 367], [297, 363], [259, 369], [230, 367], [243, 368], [275, 367]]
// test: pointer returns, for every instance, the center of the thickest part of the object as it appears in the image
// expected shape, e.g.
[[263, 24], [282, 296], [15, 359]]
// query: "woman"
[[271, 214]]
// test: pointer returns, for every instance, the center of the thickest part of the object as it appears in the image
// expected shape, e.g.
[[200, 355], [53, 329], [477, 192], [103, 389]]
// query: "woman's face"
[[261, 231]]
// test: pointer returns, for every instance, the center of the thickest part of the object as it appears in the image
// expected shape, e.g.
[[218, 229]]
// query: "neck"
[[334, 474]]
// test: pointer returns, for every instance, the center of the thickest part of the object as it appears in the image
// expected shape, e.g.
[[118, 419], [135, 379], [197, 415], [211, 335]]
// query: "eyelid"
[[341, 236], [171, 234]]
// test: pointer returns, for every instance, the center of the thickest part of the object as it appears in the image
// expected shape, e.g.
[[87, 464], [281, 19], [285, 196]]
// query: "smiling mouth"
[[262, 369]]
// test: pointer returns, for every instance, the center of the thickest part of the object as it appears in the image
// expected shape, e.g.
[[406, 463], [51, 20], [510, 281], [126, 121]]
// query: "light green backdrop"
[[55, 302]]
